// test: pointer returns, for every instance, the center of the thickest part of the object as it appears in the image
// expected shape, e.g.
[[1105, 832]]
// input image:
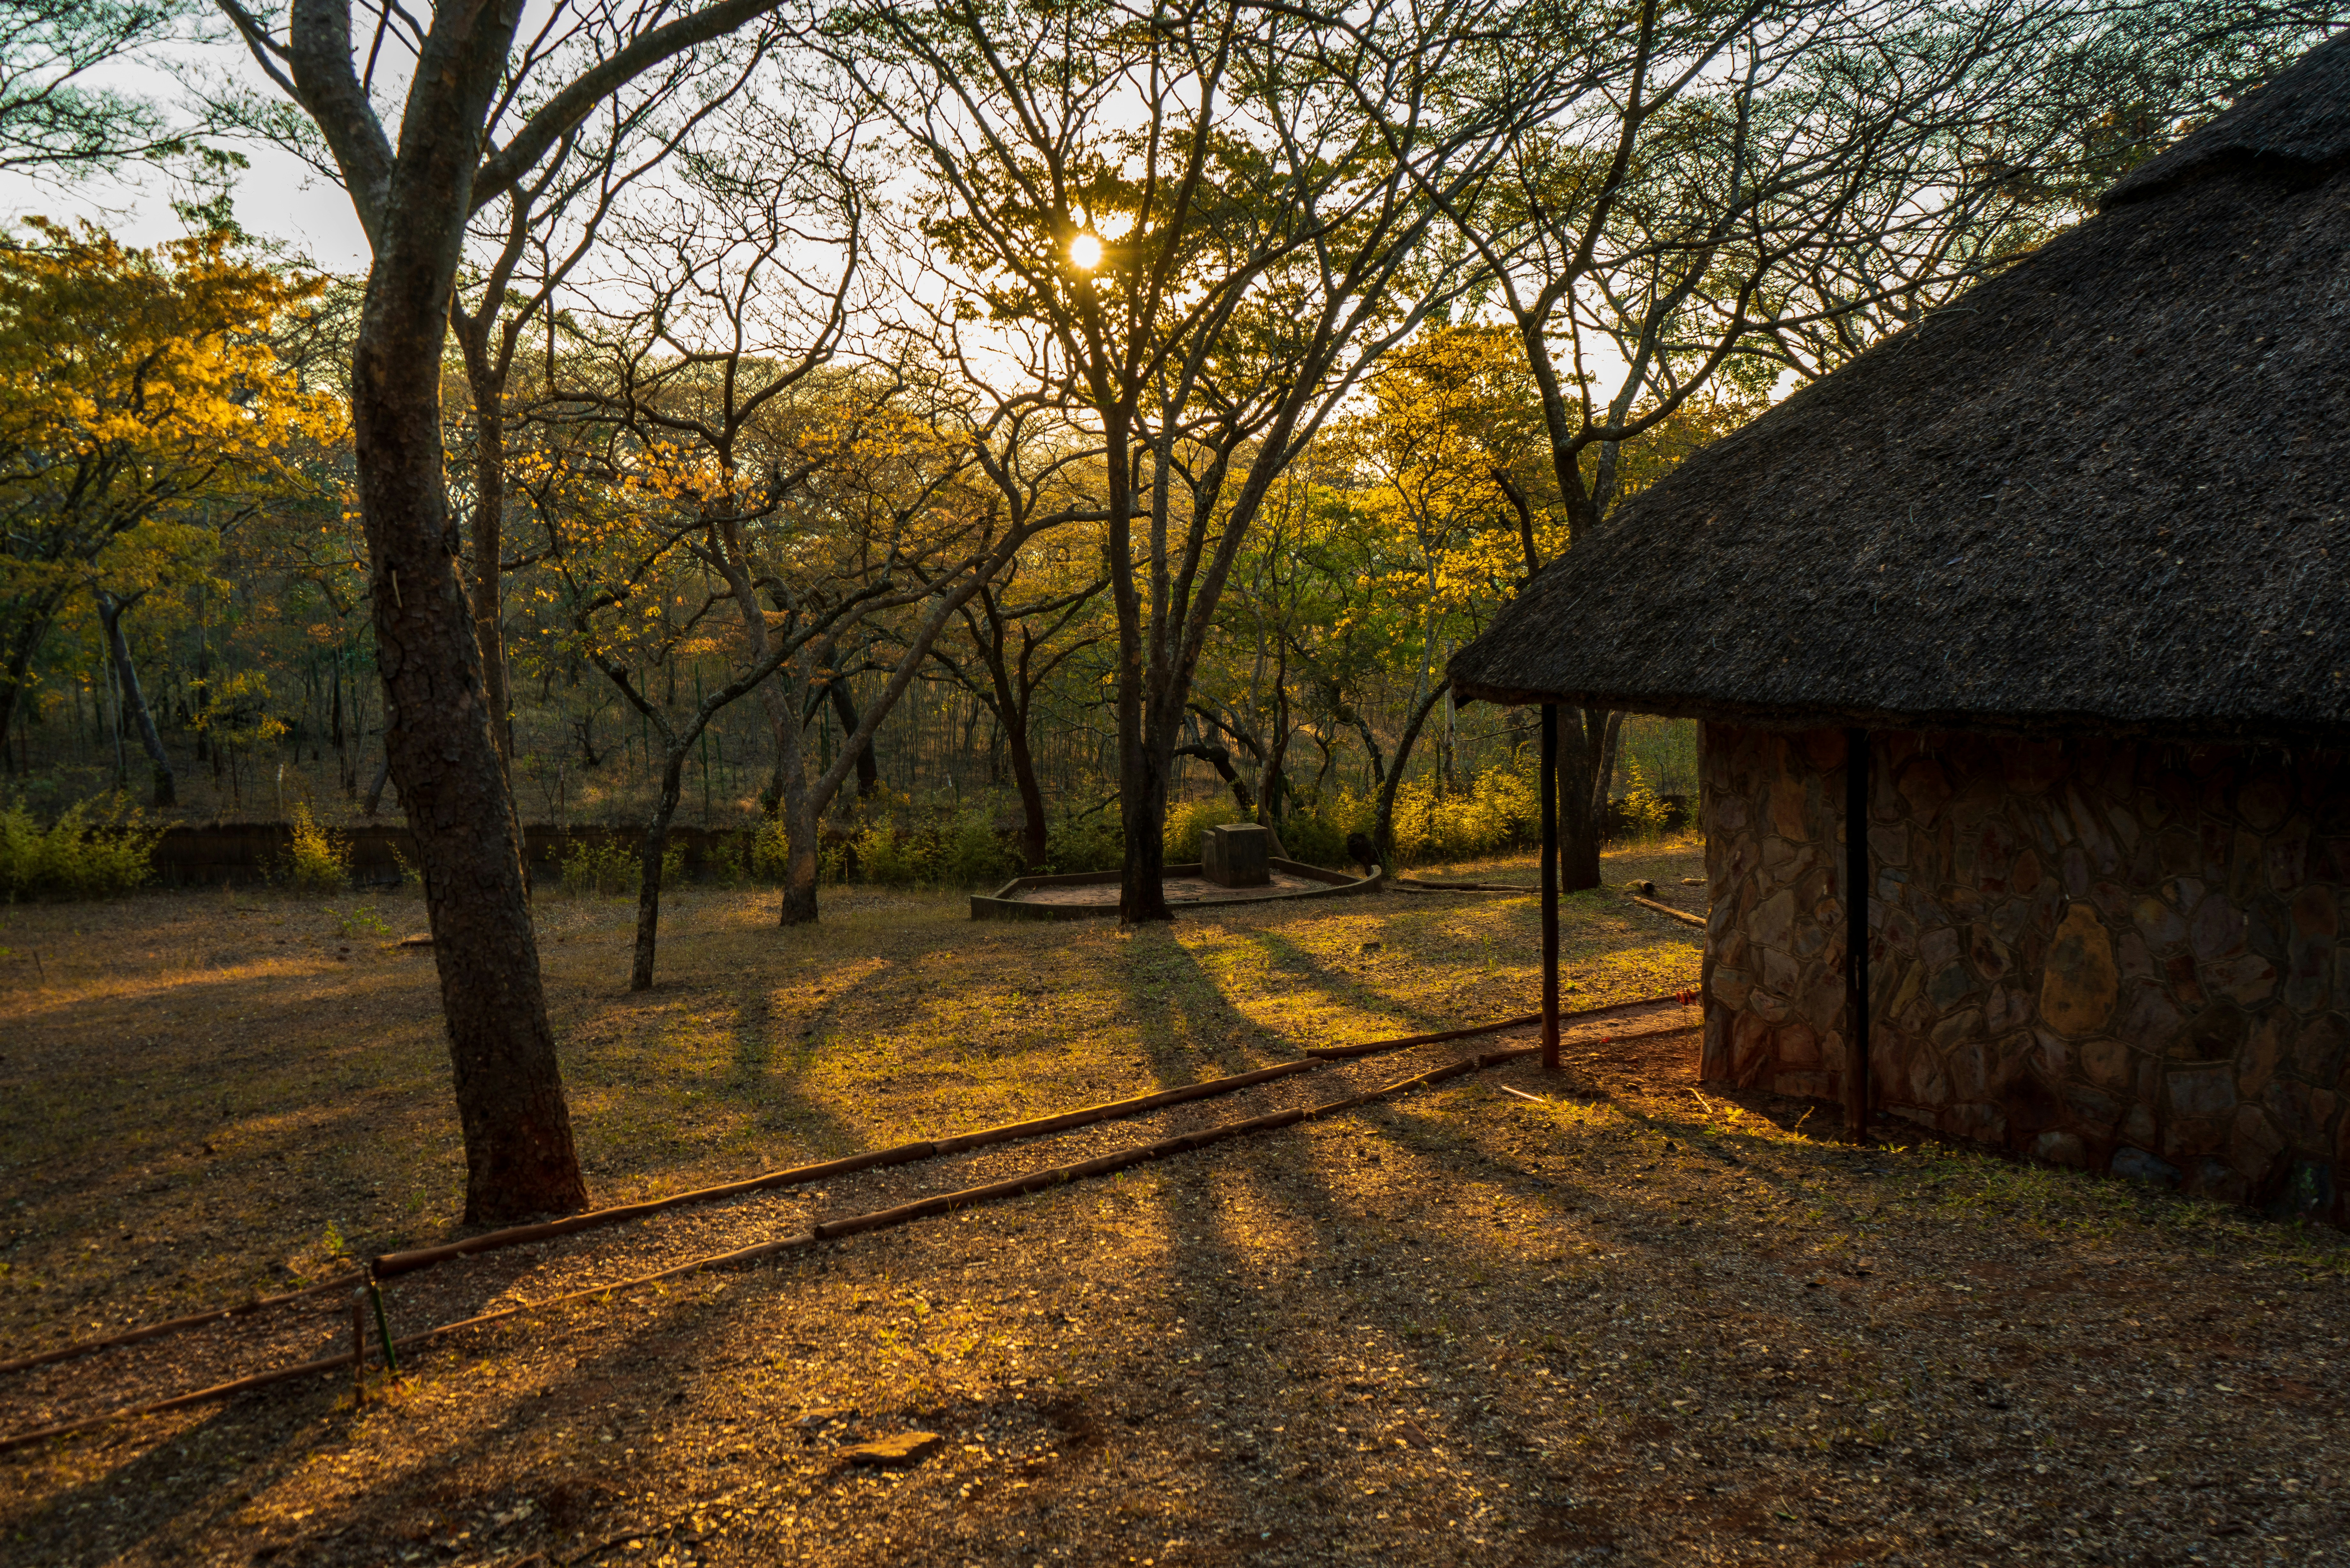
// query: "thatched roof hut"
[[2032, 622], [2107, 489]]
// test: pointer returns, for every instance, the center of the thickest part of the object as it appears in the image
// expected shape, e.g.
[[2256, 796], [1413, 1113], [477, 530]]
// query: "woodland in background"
[[214, 618]]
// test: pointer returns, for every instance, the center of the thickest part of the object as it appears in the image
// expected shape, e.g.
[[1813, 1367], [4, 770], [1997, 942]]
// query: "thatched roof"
[[2106, 490]]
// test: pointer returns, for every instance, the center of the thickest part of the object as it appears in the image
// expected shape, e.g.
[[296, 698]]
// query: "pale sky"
[[279, 197]]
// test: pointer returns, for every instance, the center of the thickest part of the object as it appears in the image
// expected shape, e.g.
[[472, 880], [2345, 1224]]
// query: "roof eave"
[[2190, 729]]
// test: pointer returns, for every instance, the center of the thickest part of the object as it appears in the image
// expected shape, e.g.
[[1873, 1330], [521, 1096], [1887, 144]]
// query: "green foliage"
[[75, 856], [360, 920], [1317, 837], [1077, 843], [1498, 812], [1185, 823], [1646, 812], [750, 855], [613, 866], [320, 858], [959, 849]]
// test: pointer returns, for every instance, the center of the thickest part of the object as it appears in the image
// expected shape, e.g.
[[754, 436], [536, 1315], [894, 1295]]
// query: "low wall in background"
[[248, 852]]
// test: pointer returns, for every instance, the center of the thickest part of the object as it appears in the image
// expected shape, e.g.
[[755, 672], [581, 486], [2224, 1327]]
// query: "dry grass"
[[207, 1094], [1632, 1322]]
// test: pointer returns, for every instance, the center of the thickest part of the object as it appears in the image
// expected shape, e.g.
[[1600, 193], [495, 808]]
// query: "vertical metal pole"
[[1550, 886], [1856, 933]]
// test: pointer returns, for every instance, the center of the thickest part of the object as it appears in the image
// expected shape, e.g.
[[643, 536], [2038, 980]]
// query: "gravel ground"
[[1624, 1322]]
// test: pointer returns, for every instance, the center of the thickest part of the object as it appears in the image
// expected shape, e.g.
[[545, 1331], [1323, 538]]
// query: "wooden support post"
[[1855, 934], [383, 1327], [1550, 886], [359, 1344]]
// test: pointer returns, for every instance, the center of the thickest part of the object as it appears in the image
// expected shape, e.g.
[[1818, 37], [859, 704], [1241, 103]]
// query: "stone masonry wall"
[[2119, 955]]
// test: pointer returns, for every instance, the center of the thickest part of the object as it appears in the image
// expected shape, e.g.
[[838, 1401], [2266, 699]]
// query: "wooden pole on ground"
[[1856, 933], [1550, 886]]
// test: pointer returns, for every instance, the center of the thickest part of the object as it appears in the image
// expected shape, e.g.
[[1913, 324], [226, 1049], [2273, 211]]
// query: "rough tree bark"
[[413, 200]]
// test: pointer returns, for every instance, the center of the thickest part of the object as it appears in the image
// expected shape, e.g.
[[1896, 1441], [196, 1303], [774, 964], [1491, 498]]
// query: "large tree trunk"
[[519, 1155], [648, 868], [109, 610], [489, 527]]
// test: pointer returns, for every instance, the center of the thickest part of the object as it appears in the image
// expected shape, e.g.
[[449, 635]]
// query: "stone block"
[[1774, 923], [2106, 1062], [2217, 1034], [2148, 1019], [1951, 984], [1982, 1122], [2095, 1108], [2137, 1165], [2164, 928], [2320, 1051], [1926, 788], [2248, 979], [1805, 1086], [2288, 856], [2263, 1052], [1236, 854], [2203, 1092], [2060, 1148], [2079, 983]]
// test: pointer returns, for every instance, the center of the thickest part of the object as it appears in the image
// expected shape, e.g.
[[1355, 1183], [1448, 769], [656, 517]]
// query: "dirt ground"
[[1625, 1320]]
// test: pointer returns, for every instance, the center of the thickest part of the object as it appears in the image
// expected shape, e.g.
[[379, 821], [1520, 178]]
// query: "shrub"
[[75, 856], [892, 856], [976, 855], [1185, 823], [1646, 812], [320, 859], [1498, 812], [1315, 838], [770, 850], [361, 921], [1079, 843], [610, 867]]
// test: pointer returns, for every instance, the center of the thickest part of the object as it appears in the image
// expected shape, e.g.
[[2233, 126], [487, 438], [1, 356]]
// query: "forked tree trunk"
[[519, 1155]]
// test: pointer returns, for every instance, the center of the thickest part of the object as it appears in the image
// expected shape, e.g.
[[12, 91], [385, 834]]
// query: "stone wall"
[[2125, 956]]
